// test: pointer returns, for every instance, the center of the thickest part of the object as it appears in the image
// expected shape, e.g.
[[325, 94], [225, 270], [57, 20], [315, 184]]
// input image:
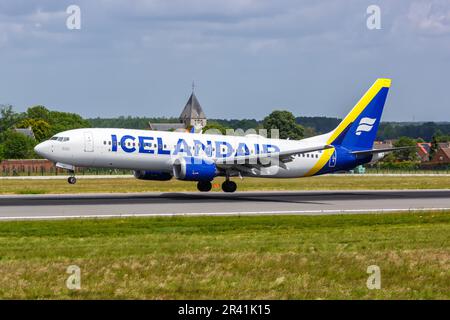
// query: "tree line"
[[46, 123], [311, 126], [386, 130]]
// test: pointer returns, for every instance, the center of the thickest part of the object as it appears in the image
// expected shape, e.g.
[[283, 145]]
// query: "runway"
[[17, 207]]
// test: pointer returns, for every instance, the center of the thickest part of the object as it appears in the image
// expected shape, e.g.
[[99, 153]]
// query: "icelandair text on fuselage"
[[156, 145]]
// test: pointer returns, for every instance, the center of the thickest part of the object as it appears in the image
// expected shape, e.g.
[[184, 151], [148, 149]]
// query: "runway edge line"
[[232, 213]]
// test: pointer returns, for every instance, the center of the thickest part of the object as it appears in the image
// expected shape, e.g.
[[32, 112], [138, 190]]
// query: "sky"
[[247, 57]]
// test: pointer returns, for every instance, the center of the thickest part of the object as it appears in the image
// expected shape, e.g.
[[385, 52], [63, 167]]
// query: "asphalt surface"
[[18, 207]]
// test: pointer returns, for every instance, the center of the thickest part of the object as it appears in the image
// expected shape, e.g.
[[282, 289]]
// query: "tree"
[[8, 118], [47, 123], [284, 121], [435, 140], [434, 144], [409, 154], [38, 112], [41, 129], [309, 132], [17, 146], [62, 121], [214, 127]]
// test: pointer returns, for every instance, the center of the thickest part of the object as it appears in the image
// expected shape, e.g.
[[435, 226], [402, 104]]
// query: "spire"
[[192, 114], [193, 109]]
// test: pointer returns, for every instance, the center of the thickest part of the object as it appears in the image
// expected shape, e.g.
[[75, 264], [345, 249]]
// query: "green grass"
[[31, 191], [331, 182], [266, 257]]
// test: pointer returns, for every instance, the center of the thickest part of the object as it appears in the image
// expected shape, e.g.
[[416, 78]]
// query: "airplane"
[[161, 155]]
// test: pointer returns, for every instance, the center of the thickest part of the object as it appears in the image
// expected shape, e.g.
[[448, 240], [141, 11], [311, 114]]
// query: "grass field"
[[330, 182], [267, 257]]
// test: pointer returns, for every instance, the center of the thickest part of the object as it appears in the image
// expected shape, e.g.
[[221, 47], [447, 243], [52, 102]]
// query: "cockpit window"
[[60, 139]]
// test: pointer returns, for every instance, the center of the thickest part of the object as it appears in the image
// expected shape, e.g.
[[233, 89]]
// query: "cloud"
[[247, 26], [261, 49], [430, 18]]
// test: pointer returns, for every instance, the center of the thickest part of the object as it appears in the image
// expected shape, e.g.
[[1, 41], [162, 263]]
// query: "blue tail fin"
[[359, 128]]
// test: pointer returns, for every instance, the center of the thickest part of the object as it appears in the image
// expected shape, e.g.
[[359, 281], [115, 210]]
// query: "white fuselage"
[[157, 150]]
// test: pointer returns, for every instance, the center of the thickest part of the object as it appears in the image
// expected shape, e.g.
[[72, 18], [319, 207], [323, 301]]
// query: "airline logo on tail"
[[366, 124]]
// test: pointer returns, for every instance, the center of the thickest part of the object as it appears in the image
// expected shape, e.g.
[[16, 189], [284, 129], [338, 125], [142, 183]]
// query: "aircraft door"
[[88, 142]]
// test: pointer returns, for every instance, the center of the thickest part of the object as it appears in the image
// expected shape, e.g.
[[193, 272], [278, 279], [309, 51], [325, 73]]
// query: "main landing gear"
[[227, 186], [72, 179], [204, 186]]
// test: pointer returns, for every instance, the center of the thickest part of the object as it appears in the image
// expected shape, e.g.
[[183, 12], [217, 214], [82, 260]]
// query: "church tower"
[[192, 114]]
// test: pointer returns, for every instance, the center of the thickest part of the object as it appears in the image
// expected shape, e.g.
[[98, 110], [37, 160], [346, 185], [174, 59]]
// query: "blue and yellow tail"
[[356, 132], [359, 128]]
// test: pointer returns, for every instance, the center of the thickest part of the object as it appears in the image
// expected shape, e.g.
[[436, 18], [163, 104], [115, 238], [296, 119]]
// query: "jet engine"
[[152, 175], [194, 169]]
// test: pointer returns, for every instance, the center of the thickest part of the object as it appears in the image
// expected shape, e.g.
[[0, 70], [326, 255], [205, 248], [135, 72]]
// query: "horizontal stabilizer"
[[372, 151]]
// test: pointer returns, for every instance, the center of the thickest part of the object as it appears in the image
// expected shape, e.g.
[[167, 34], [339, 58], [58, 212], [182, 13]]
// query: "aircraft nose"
[[40, 149]]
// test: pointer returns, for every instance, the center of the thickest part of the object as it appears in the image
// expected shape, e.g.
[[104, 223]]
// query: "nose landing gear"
[[72, 179]]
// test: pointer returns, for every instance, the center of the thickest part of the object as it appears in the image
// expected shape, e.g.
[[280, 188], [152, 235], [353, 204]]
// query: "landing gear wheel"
[[204, 186], [72, 180], [229, 186]]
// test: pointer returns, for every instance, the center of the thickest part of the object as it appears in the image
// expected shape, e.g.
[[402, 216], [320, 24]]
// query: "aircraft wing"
[[259, 159]]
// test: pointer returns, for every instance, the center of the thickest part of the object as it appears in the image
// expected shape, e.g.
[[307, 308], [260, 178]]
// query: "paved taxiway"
[[14, 207]]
